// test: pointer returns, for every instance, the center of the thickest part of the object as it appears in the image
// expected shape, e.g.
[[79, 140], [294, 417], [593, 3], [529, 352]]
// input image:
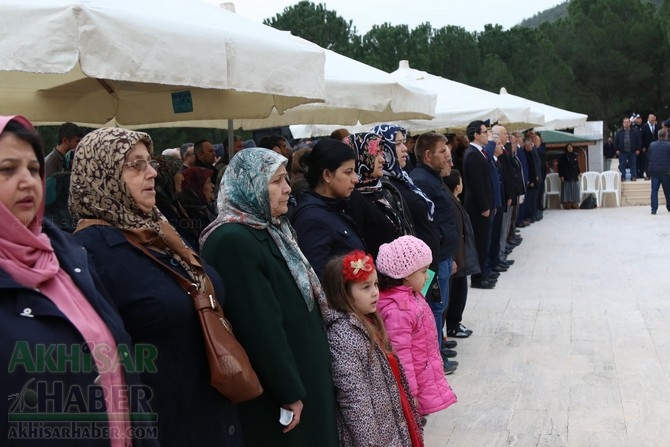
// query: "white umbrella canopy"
[[554, 118], [148, 62], [457, 105], [355, 93]]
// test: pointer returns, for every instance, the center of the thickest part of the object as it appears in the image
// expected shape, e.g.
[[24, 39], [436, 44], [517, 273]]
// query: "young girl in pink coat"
[[403, 265]]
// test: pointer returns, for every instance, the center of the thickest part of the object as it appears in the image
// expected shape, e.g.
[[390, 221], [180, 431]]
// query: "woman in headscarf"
[[273, 302], [322, 221], [52, 303], [380, 220], [137, 254], [168, 184], [197, 196], [417, 205], [568, 171]]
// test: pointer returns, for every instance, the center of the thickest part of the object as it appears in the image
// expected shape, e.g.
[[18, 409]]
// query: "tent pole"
[[231, 138]]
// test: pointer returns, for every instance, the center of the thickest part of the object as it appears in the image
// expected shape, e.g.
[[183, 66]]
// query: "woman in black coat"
[[168, 184], [137, 253], [568, 172], [375, 206], [197, 197], [322, 221]]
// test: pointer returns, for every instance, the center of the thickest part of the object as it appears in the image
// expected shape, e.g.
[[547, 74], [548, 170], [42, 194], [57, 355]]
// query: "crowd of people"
[[643, 151], [341, 264]]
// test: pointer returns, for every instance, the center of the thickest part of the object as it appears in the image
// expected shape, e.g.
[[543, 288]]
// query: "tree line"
[[606, 58]]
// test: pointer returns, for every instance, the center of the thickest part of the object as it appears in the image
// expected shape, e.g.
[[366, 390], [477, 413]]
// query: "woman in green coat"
[[273, 300]]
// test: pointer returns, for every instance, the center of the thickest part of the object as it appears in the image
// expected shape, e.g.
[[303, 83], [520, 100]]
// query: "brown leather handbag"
[[230, 370]]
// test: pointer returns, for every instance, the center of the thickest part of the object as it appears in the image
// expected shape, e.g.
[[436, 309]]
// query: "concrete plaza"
[[572, 347]]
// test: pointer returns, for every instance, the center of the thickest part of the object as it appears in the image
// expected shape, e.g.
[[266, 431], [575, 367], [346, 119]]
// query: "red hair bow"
[[357, 266]]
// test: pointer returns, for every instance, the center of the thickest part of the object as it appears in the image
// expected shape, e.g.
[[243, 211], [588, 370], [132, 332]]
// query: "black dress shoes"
[[483, 284]]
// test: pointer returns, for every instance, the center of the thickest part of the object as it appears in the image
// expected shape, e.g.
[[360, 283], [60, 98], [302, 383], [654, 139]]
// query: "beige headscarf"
[[97, 191]]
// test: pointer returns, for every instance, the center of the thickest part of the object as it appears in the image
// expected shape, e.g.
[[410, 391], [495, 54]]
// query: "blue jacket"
[[157, 311], [29, 319], [658, 157], [444, 219], [324, 229]]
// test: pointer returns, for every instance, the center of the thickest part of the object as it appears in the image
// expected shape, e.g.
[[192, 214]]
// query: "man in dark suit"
[[649, 135], [627, 143], [478, 196]]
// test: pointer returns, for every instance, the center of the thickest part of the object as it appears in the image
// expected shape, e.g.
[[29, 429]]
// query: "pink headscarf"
[[27, 256], [25, 252]]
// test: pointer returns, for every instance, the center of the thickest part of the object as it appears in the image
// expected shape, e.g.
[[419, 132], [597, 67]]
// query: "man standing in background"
[[69, 135]]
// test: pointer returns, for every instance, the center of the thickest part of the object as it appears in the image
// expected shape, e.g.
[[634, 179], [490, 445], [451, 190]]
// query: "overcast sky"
[[471, 15]]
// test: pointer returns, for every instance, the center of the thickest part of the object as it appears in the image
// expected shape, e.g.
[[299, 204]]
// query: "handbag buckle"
[[226, 324], [212, 302]]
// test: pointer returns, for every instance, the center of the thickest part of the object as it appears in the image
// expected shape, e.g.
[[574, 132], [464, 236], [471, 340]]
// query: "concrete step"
[[638, 193]]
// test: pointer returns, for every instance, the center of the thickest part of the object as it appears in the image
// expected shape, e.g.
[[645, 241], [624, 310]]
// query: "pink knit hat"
[[403, 256]]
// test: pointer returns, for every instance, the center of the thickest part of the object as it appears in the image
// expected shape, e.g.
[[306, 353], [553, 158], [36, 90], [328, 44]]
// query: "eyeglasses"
[[141, 165]]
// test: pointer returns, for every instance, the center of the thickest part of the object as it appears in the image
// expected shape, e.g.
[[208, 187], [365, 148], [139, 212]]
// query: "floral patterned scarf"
[[97, 191], [366, 145], [392, 165], [243, 198]]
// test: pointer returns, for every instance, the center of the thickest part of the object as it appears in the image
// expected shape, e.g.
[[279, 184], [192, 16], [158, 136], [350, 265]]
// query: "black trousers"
[[458, 296], [480, 227]]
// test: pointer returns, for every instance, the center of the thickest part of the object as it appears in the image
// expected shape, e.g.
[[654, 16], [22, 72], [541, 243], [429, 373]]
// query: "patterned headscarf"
[[367, 146], [168, 167], [97, 191], [243, 198], [392, 165]]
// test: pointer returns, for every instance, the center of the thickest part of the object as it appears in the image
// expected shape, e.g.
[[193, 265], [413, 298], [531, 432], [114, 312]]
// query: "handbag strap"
[[201, 300]]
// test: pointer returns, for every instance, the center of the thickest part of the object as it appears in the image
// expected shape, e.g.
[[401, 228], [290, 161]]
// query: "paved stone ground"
[[572, 348]]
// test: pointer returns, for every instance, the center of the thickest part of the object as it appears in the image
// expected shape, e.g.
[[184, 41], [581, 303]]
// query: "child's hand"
[[296, 408]]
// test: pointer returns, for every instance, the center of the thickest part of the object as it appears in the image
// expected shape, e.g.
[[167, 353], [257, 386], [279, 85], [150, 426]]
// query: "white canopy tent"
[[148, 63], [355, 93], [457, 105], [554, 118]]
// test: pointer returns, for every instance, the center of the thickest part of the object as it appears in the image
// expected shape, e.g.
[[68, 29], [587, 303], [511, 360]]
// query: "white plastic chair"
[[610, 182], [552, 187], [589, 183]]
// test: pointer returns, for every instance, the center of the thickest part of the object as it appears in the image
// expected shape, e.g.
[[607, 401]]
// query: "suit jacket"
[[648, 136], [507, 169], [477, 186]]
